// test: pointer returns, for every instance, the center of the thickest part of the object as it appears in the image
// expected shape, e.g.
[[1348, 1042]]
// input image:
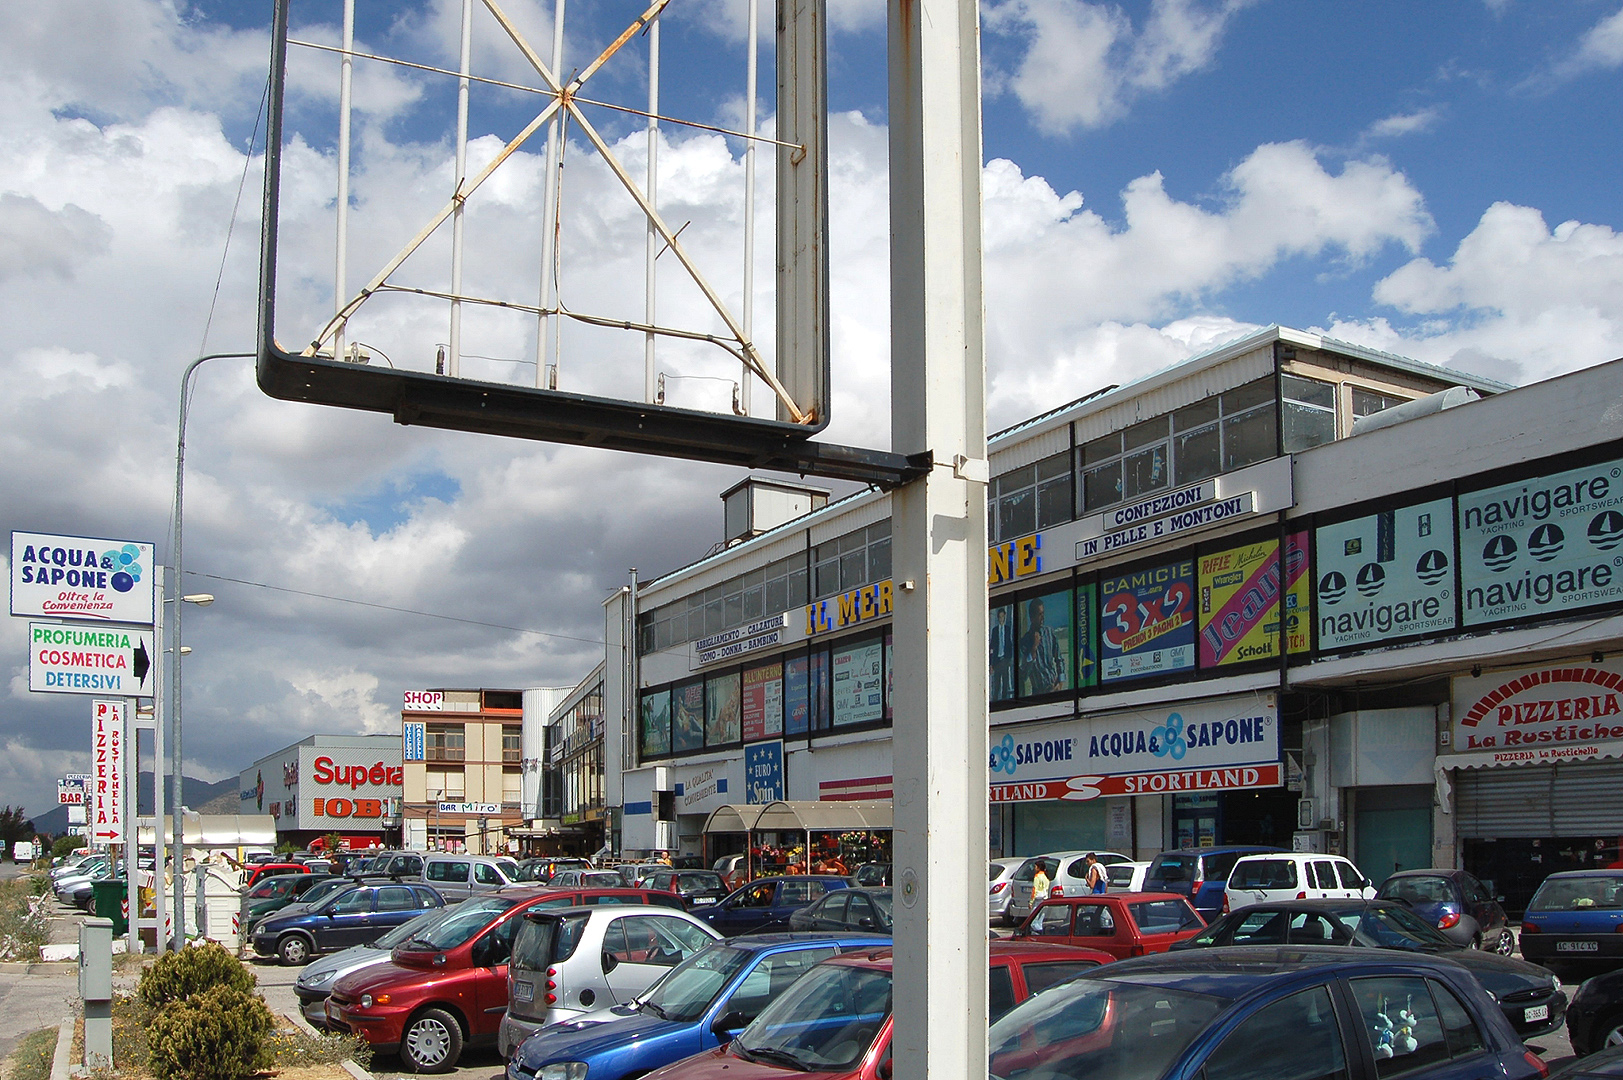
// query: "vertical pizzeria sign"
[[107, 770]]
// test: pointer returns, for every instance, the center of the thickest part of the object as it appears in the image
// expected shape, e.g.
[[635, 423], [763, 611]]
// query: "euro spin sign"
[[107, 771]]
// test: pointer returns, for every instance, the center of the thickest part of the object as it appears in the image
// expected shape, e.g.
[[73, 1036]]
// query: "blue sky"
[[1436, 180]]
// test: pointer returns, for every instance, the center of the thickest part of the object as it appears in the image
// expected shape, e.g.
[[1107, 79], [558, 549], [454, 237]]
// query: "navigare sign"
[[72, 658], [78, 577]]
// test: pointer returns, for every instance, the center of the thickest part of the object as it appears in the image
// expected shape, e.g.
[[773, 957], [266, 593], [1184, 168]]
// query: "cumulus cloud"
[[1080, 65], [1599, 49]]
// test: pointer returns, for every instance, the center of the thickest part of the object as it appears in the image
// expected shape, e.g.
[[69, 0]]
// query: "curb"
[[64, 1046], [304, 1025], [38, 967]]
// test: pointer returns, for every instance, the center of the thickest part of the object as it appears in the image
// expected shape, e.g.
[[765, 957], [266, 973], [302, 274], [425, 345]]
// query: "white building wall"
[[539, 701]]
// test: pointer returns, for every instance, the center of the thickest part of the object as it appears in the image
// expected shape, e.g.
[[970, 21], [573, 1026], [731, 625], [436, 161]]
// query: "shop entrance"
[[1264, 816], [1514, 867], [1391, 830]]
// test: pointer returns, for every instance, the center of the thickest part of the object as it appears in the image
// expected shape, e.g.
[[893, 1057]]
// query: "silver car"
[[1000, 889], [577, 963]]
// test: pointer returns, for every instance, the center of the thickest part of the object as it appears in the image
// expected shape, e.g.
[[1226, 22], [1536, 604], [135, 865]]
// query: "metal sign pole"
[[938, 389], [131, 762]]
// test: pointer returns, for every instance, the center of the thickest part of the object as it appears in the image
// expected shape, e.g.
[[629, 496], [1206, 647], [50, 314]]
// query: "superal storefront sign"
[[1216, 745]]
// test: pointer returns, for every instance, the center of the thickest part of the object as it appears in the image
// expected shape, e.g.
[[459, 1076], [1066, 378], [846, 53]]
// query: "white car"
[[1000, 888], [1294, 875], [1126, 876], [1067, 876]]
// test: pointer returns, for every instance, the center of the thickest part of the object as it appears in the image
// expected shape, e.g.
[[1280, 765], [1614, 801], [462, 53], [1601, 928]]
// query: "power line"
[[400, 610]]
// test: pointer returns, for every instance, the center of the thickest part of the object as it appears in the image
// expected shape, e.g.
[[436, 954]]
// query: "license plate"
[[1537, 1012], [1577, 946], [523, 991], [703, 900]]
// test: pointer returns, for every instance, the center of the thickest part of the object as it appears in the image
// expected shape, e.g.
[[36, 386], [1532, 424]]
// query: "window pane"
[[1307, 427], [1017, 514], [1248, 438], [828, 578], [1040, 977], [1015, 479], [1458, 1027], [1370, 402], [1100, 449], [775, 597], [1199, 455], [1401, 1023], [1101, 486], [879, 530], [1251, 394], [797, 588], [999, 992], [1310, 391], [1144, 471], [753, 604], [853, 541], [1296, 1038], [1192, 416], [1143, 434], [1054, 502], [853, 569], [1054, 465], [879, 560], [732, 612], [1000, 652]]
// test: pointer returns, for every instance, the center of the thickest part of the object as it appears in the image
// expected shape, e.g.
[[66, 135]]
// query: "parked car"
[[1199, 874], [835, 1020], [1595, 1014], [316, 981], [734, 870], [846, 909], [1294, 875], [1239, 1014], [873, 873], [400, 864], [1529, 996], [704, 1002], [768, 900], [1575, 915], [89, 870], [458, 877], [1606, 1065], [1455, 903], [1067, 876], [541, 870], [1121, 924], [273, 869], [583, 961], [1126, 876], [697, 888], [276, 893], [999, 889], [348, 917], [587, 879]]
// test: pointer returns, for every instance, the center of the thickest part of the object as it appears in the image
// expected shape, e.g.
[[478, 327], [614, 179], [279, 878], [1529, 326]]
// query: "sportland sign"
[[1553, 713], [1220, 744]]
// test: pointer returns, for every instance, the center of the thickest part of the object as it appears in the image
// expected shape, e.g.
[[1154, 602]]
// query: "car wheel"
[[432, 1042], [293, 950], [1507, 944]]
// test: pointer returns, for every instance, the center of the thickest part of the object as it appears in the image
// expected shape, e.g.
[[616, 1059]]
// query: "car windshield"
[[825, 1021], [1418, 890], [693, 984], [459, 924], [321, 890], [1173, 868], [1096, 1029], [1391, 927], [1578, 894], [881, 900], [406, 931], [692, 881], [541, 942]]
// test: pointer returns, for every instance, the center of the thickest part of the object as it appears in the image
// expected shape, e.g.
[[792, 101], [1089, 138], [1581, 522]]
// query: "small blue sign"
[[414, 738], [763, 772]]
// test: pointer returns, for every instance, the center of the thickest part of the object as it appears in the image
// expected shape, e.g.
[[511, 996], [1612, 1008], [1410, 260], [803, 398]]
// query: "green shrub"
[[66, 845], [191, 971], [220, 1034]]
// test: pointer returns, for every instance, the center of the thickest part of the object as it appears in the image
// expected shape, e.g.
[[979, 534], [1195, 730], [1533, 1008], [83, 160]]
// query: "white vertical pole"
[[130, 766], [747, 320], [340, 284], [159, 700], [549, 203], [453, 359], [653, 200], [938, 388]]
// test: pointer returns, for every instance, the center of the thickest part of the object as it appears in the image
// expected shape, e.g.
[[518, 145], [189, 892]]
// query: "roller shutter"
[[1538, 800]]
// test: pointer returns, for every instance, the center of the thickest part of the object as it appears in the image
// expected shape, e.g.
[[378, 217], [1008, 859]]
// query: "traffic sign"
[[65, 658]]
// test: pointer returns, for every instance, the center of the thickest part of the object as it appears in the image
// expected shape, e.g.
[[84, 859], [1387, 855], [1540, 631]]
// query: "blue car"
[[1201, 874], [768, 901], [1576, 915], [353, 916], [703, 1003]]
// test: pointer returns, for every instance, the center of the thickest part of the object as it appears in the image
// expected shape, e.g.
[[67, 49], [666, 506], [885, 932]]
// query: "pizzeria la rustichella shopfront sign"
[[1220, 744], [1545, 715]]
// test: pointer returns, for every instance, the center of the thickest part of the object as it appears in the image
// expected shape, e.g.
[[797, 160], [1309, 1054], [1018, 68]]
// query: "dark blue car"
[[1455, 903], [353, 916], [767, 901], [1577, 915], [703, 1003], [1201, 874]]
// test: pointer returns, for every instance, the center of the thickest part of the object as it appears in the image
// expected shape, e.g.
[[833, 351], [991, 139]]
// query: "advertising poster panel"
[[1087, 645], [687, 716], [1045, 643], [763, 702], [796, 695], [722, 717], [763, 772], [1000, 647], [107, 771], [1542, 546], [819, 690], [1212, 745], [1239, 605], [1549, 714], [1147, 622], [890, 678], [81, 577], [1387, 575], [858, 694], [656, 723]]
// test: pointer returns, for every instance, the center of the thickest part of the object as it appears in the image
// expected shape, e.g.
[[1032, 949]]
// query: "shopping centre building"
[[1292, 592]]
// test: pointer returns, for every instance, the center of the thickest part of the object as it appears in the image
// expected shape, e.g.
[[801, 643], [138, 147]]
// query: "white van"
[[457, 877], [1294, 875]]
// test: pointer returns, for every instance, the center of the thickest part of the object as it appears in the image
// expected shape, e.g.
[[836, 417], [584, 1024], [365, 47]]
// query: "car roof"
[[1610, 873], [882, 958], [1115, 897], [1237, 970], [1247, 849], [806, 938], [1434, 871], [1321, 903]]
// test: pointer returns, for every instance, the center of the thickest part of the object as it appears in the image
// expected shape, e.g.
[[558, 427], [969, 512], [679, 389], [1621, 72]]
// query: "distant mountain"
[[200, 795]]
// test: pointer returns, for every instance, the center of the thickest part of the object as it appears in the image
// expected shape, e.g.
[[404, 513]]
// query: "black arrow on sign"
[[143, 662]]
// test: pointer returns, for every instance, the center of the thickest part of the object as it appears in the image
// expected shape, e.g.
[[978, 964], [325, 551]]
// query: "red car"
[[449, 988], [1121, 924], [835, 1019], [273, 869]]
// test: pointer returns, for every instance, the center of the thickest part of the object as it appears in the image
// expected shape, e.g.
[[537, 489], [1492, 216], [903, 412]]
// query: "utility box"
[[217, 904], [96, 989]]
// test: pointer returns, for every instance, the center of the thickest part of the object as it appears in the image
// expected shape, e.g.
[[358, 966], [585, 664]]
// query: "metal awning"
[[801, 816], [221, 830]]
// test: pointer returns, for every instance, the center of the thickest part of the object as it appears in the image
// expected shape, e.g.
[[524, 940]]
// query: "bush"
[[25, 916], [220, 1034], [190, 972], [66, 845]]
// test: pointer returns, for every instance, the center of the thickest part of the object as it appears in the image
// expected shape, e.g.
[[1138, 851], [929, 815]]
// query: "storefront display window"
[[796, 695], [763, 702], [723, 698], [687, 716], [656, 723], [1147, 622], [820, 708], [1000, 649], [1044, 656], [858, 692]]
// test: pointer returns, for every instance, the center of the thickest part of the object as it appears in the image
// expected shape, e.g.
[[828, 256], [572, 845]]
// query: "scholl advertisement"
[[1542, 546], [1147, 622], [1239, 606], [1386, 575]]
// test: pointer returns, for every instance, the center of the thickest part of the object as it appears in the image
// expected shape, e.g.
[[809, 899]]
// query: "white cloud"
[[1083, 64], [1401, 124], [1599, 49]]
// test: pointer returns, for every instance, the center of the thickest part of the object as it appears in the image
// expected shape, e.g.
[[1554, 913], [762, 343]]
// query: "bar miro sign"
[[1172, 515]]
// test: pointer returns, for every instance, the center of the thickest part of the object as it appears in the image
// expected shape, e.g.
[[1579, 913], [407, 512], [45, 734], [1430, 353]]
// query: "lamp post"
[[178, 815]]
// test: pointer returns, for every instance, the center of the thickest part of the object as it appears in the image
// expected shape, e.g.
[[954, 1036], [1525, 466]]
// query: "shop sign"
[[848, 609], [858, 696], [1014, 559], [413, 741], [705, 788], [1544, 545], [1386, 575], [68, 659], [1240, 590], [343, 808], [107, 786], [1147, 622], [1256, 489], [741, 640], [424, 701], [78, 577], [70, 789], [1537, 716], [1226, 744], [763, 702], [763, 772], [489, 809]]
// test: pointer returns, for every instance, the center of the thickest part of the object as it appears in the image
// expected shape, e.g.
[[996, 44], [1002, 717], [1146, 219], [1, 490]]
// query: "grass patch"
[[292, 1048], [25, 916], [32, 1058]]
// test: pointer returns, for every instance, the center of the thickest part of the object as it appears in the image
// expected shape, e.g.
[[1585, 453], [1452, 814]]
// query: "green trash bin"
[[110, 897]]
